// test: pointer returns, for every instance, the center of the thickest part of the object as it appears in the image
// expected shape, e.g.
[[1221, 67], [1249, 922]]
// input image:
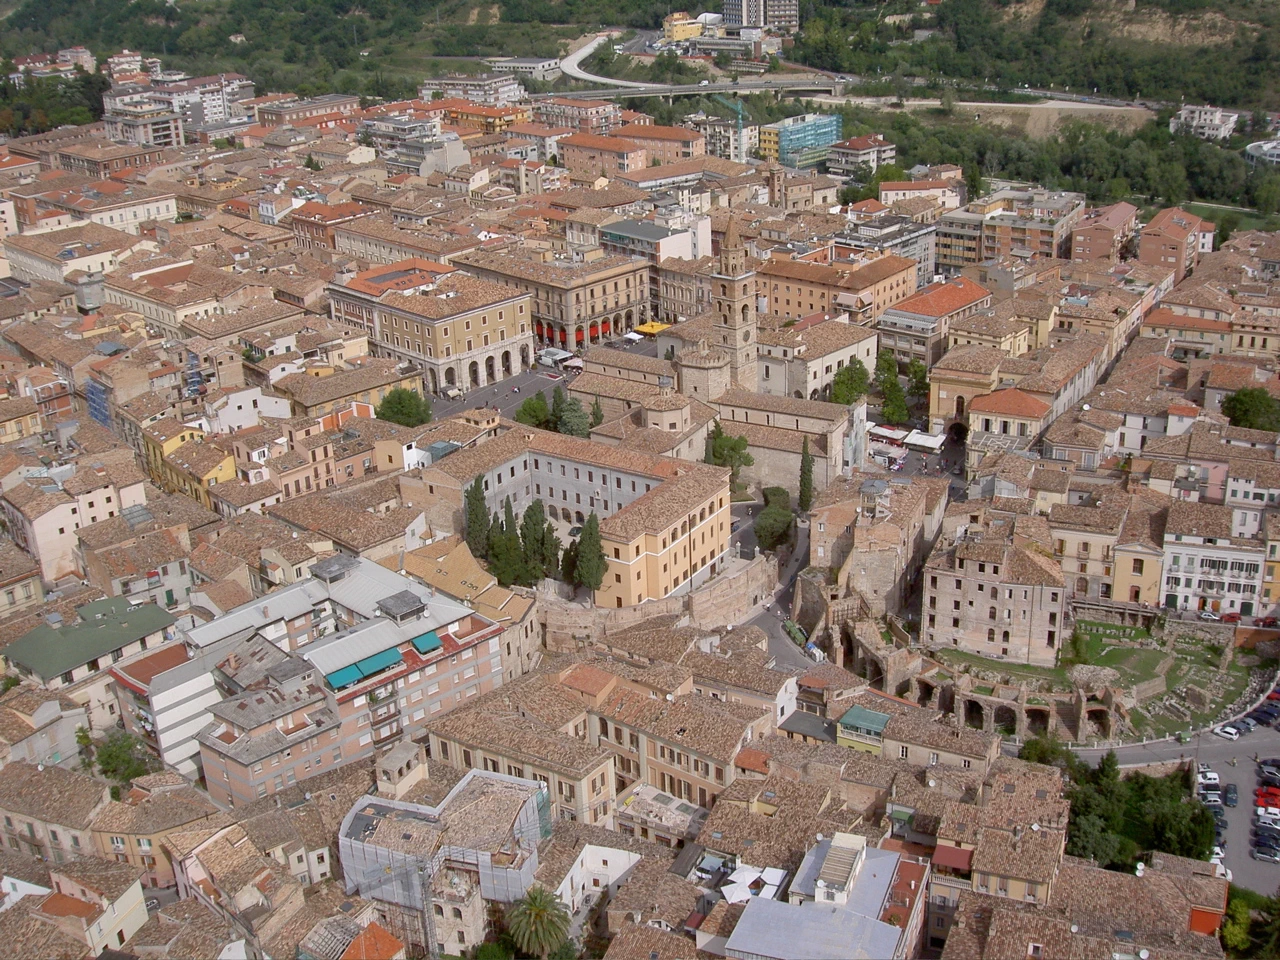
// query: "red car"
[[1265, 796], [1267, 623], [1231, 618], [1274, 695]]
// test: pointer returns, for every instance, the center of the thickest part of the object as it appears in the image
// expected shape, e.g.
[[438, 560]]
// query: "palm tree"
[[539, 923]]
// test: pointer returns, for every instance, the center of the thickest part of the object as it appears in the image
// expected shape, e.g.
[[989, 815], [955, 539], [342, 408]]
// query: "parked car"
[[1266, 770], [1267, 623], [1207, 776], [1246, 724], [1232, 617], [1263, 853], [1230, 795], [1227, 732], [1209, 615], [1269, 832], [1268, 781]]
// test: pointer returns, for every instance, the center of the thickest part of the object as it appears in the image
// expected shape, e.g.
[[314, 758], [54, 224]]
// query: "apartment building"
[[723, 138], [132, 830], [1111, 547], [109, 203], [588, 154], [314, 223], [849, 158], [975, 840], [1104, 233], [887, 726], [365, 380], [1209, 565], [488, 89], [780, 15], [917, 327], [800, 142], [665, 145], [1205, 122], [365, 673], [98, 902], [86, 246], [573, 303], [991, 589], [1009, 222], [48, 812], [578, 776], [891, 235], [74, 658], [596, 117], [945, 194], [292, 111], [43, 517], [796, 288], [133, 116], [1175, 239]]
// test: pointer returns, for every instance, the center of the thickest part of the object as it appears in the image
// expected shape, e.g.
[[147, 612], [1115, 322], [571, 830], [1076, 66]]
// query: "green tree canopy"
[[534, 412], [538, 923], [917, 380], [406, 407], [558, 401], [573, 420], [533, 541], [850, 383], [886, 368], [597, 413], [122, 757], [723, 450], [894, 409], [1254, 409]]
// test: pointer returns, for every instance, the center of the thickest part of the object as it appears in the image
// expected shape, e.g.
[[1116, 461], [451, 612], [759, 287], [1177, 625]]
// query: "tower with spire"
[[733, 297]]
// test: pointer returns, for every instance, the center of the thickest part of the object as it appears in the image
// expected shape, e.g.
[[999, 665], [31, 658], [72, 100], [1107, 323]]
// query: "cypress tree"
[[806, 478], [533, 531], [477, 520], [591, 562]]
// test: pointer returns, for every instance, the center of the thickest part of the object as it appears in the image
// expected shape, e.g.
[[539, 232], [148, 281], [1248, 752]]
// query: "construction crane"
[[737, 108]]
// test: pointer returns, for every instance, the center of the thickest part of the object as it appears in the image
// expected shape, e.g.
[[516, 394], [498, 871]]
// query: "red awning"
[[578, 334], [953, 857]]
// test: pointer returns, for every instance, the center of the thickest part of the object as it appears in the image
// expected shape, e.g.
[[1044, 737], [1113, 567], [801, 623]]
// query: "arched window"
[[991, 636]]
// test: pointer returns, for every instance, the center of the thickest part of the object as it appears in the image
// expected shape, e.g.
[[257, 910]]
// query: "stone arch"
[[1135, 594], [925, 692], [524, 357], [813, 394], [630, 318], [435, 383], [959, 408], [450, 377], [1006, 719], [578, 517], [473, 373], [974, 714], [565, 515], [489, 374], [799, 394], [1100, 717], [1037, 721], [506, 363], [1082, 586]]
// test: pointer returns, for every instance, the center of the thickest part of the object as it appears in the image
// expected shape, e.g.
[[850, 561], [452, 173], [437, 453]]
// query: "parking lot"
[[1263, 742]]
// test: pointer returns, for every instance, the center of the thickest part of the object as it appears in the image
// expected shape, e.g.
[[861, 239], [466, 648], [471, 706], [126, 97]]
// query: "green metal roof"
[[106, 625], [343, 678], [379, 661], [427, 642], [902, 815], [864, 719]]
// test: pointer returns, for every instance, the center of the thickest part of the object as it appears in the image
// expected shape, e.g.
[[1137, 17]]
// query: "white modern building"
[[1207, 123], [1210, 564]]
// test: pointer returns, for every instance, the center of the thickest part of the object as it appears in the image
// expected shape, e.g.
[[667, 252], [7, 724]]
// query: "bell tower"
[[733, 296]]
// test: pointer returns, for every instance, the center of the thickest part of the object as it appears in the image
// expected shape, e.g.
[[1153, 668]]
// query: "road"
[[569, 67]]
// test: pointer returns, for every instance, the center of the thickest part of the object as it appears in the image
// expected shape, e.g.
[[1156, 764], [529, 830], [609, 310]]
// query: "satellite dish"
[[1085, 408]]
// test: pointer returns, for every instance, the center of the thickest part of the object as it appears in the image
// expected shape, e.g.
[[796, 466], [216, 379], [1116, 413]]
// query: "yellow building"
[[666, 540], [1112, 550], [768, 142], [679, 26], [19, 418], [161, 439], [195, 467], [1271, 572]]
